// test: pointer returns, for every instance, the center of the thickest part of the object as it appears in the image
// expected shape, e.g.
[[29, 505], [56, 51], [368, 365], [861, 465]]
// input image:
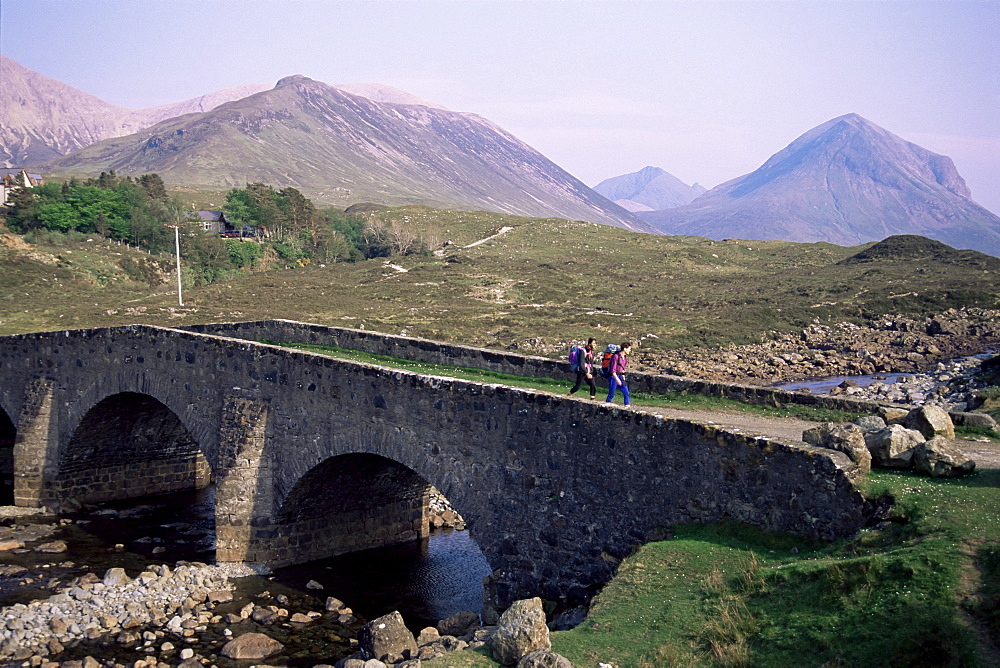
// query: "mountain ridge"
[[846, 181], [45, 118], [649, 189], [340, 148]]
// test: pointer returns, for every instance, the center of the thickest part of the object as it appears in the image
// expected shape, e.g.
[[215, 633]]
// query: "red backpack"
[[609, 352]]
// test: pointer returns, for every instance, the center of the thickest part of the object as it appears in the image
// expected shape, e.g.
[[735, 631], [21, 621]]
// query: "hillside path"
[[986, 454]]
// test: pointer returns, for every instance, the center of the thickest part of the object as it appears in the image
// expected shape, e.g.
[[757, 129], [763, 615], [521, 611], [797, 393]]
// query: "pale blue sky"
[[706, 90]]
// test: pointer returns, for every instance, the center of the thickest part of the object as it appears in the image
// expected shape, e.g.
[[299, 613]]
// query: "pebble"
[[122, 604]]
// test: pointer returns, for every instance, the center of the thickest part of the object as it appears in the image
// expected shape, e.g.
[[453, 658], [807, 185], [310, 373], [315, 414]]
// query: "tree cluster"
[[289, 229]]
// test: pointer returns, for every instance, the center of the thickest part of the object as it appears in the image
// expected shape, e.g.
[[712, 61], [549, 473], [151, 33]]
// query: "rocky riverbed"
[[888, 344], [63, 612]]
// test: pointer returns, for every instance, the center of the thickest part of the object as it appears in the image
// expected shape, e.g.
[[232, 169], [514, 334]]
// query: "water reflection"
[[426, 581]]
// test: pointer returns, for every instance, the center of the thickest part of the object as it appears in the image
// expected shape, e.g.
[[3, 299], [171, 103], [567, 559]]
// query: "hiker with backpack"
[[581, 361], [617, 361]]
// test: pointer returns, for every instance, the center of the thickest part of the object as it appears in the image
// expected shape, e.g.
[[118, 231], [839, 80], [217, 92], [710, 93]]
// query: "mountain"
[[342, 148], [44, 118], [649, 189], [848, 182]]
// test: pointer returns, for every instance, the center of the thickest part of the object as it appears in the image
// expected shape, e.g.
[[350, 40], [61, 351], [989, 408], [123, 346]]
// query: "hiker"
[[582, 363], [616, 373]]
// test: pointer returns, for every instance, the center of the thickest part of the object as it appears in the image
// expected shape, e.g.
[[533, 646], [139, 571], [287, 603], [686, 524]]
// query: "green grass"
[[678, 400], [912, 592]]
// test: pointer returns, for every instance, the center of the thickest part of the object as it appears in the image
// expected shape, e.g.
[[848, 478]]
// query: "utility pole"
[[177, 248]]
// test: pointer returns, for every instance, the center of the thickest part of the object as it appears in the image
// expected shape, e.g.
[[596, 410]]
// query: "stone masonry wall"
[[554, 490]]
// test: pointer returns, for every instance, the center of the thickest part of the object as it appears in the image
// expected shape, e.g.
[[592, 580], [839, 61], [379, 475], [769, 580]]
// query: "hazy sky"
[[706, 90]]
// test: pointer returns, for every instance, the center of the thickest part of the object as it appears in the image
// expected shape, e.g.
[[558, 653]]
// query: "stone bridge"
[[313, 456]]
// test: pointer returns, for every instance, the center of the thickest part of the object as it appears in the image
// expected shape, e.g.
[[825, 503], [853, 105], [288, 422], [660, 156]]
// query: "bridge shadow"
[[8, 434], [129, 445]]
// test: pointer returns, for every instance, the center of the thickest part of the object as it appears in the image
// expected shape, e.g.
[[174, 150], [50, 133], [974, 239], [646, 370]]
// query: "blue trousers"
[[613, 387]]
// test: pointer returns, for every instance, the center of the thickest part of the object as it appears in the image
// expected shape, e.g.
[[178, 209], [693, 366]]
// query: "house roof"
[[209, 216]]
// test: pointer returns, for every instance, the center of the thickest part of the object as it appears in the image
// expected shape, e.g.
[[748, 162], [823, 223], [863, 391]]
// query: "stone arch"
[[347, 503], [127, 445]]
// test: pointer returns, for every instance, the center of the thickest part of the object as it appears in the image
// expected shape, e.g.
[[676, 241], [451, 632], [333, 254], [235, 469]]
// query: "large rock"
[[251, 646], [459, 624], [846, 438], [870, 424], [115, 577], [982, 420], [940, 458], [930, 421], [387, 639], [520, 630], [543, 658], [893, 446]]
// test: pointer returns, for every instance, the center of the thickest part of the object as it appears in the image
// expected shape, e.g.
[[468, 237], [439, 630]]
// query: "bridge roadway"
[[314, 456]]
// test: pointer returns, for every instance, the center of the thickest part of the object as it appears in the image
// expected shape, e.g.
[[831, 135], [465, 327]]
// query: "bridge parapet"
[[532, 366]]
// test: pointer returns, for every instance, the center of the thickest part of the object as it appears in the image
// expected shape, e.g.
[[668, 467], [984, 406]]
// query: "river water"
[[824, 385]]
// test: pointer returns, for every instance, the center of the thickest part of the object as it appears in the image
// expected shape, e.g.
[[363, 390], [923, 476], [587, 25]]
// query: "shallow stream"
[[426, 581]]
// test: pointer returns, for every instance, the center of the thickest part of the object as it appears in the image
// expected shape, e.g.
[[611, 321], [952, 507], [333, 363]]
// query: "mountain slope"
[[44, 118], [846, 181], [649, 189], [342, 147]]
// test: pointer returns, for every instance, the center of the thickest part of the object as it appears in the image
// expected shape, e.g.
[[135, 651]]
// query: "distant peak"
[[294, 79]]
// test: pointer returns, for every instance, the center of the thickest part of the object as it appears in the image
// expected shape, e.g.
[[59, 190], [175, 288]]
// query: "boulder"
[[55, 547], [115, 577], [846, 438], [428, 635], [387, 639], [893, 446], [520, 631], [251, 646], [459, 624], [543, 658], [893, 415], [982, 420], [870, 423], [930, 421], [940, 458]]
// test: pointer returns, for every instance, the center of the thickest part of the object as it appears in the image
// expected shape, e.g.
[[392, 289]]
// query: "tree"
[[154, 187]]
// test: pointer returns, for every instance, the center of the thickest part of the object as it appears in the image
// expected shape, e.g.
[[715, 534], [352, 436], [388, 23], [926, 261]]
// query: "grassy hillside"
[[537, 286]]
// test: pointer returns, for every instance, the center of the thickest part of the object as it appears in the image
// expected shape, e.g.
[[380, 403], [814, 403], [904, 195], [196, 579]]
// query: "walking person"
[[616, 373], [584, 368]]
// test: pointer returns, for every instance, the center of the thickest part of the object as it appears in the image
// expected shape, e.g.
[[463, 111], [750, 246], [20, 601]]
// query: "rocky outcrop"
[[896, 446], [892, 446], [521, 630], [931, 421], [543, 658], [387, 639], [940, 458], [848, 439]]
